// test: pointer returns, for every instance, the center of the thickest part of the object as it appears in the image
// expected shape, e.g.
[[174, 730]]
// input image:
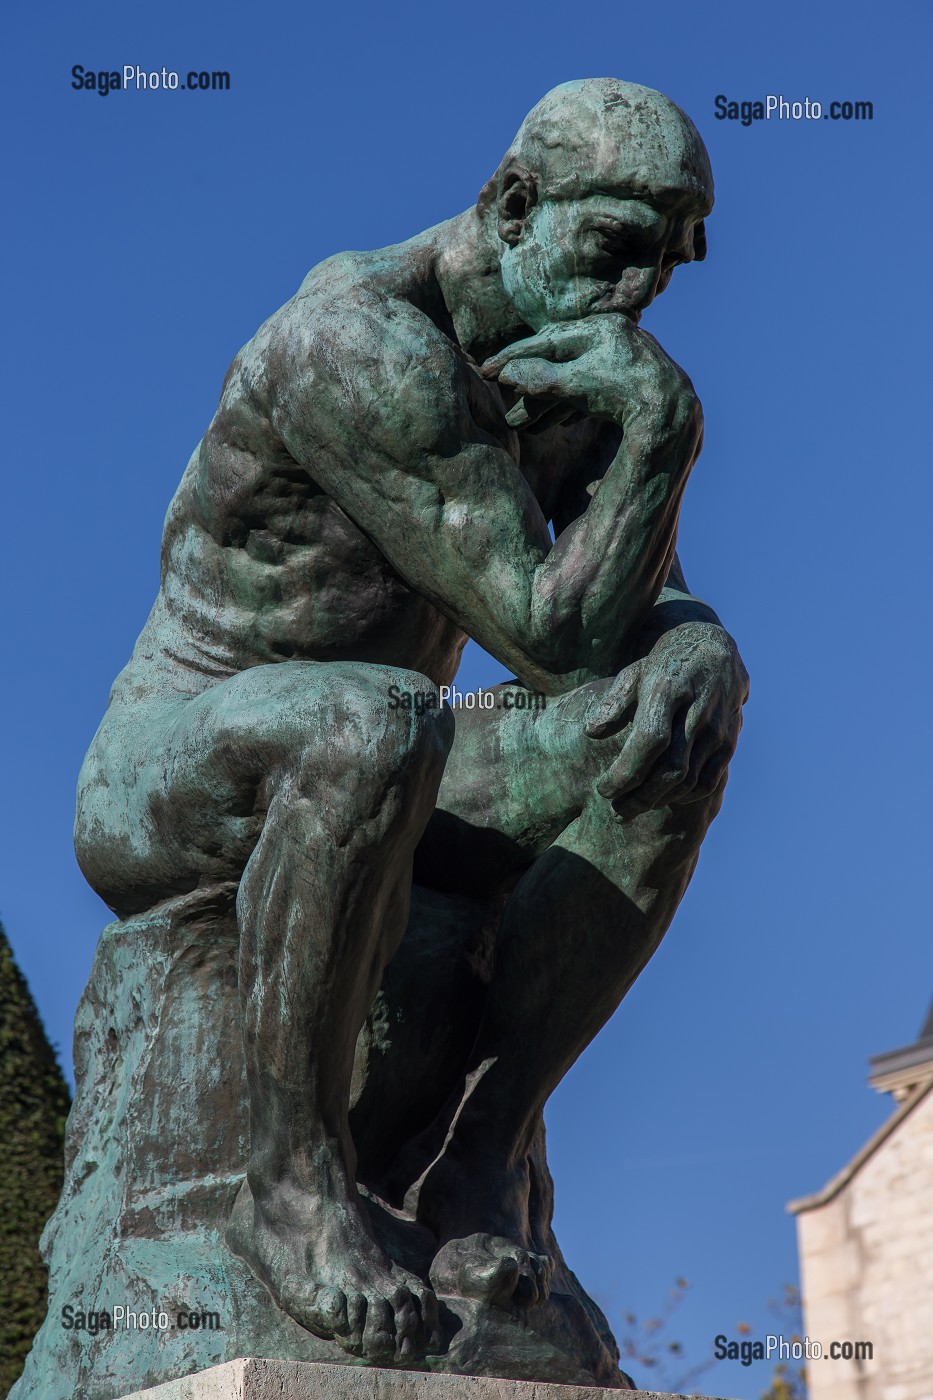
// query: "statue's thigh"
[[516, 783], [174, 790], [505, 798]]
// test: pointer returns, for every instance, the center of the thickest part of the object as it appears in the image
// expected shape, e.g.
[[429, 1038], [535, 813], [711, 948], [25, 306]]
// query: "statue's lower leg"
[[579, 927], [321, 907]]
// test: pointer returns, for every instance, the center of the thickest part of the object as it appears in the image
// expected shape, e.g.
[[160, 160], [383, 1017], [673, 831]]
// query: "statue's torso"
[[260, 564]]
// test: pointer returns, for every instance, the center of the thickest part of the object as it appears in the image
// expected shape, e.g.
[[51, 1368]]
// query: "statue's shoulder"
[[363, 308], [352, 358], [354, 333]]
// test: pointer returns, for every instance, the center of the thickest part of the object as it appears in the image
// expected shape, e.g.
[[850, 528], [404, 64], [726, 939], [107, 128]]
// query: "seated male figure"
[[376, 487]]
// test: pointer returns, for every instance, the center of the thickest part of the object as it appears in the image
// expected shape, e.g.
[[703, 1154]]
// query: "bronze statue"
[[376, 486]]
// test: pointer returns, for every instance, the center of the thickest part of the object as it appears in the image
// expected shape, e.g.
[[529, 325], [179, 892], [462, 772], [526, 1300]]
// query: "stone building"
[[866, 1247]]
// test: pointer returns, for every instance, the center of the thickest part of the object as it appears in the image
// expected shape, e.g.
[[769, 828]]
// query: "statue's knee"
[[418, 726], [676, 827], [377, 724]]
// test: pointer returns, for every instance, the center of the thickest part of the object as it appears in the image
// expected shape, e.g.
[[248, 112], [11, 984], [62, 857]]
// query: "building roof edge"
[[841, 1179]]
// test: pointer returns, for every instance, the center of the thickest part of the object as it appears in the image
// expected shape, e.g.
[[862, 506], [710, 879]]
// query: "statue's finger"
[[664, 779], [563, 342], [532, 377], [697, 716], [532, 346], [550, 414], [646, 742], [617, 705], [702, 750], [541, 412], [712, 777]]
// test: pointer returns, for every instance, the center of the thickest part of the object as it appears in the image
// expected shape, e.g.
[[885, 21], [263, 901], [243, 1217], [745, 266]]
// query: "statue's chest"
[[552, 460]]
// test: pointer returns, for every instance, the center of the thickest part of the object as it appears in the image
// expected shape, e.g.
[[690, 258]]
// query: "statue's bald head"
[[601, 195], [602, 134]]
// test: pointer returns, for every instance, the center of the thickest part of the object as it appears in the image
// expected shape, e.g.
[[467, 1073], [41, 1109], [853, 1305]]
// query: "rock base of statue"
[[250, 1379], [156, 1152]]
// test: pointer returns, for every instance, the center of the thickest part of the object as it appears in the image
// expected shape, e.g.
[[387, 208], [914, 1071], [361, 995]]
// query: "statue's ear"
[[699, 241], [518, 194]]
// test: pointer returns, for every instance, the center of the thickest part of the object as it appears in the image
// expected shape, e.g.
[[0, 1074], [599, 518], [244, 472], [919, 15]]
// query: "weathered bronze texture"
[[362, 936]]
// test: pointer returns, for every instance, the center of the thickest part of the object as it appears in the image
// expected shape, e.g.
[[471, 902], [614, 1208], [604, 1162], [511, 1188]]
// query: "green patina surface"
[[361, 942]]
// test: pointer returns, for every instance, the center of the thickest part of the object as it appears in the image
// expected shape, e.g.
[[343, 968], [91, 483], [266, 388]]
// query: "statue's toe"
[[492, 1269]]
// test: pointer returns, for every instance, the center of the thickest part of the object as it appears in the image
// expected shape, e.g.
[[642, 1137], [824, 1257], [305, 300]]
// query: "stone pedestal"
[[251, 1379], [156, 1150]]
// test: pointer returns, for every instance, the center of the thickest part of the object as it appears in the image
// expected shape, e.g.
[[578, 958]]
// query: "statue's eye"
[[612, 240]]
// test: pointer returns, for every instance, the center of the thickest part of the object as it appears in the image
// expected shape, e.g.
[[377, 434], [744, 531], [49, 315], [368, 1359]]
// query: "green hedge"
[[34, 1102]]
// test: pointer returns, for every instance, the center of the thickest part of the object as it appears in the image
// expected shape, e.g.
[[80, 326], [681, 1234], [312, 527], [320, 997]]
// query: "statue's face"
[[575, 257]]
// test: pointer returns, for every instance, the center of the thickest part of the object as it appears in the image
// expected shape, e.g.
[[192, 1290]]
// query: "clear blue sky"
[[147, 238]]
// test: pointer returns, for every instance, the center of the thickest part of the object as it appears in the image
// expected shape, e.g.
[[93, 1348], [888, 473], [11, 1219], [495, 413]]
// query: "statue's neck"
[[466, 266]]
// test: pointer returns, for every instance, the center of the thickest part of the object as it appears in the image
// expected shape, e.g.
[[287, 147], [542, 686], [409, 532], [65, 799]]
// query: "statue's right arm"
[[399, 428]]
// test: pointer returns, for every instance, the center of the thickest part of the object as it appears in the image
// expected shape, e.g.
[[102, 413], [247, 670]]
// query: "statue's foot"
[[479, 1211], [492, 1269], [323, 1267]]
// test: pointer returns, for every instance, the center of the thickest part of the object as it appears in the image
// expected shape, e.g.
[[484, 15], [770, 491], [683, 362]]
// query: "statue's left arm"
[[682, 692], [682, 697], [676, 605], [682, 684]]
